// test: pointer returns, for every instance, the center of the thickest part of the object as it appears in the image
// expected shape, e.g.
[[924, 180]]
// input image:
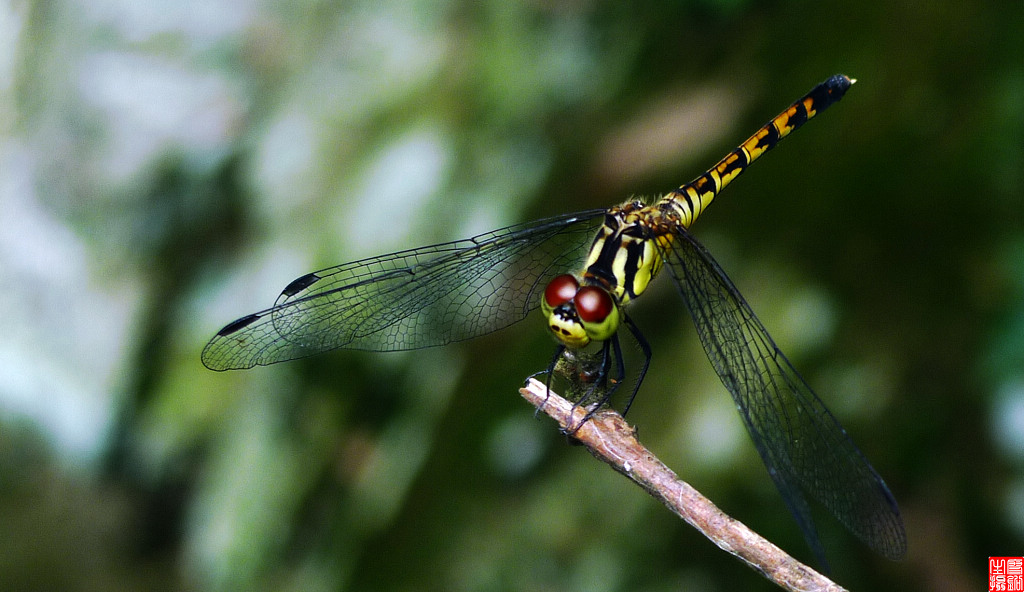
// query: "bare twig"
[[611, 439]]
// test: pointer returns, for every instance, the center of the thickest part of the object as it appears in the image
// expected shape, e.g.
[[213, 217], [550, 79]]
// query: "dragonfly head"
[[578, 314]]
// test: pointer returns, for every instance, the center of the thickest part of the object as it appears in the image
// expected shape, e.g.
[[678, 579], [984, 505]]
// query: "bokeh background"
[[166, 167]]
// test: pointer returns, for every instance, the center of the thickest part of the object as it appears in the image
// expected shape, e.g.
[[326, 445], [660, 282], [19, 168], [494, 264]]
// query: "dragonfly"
[[582, 270]]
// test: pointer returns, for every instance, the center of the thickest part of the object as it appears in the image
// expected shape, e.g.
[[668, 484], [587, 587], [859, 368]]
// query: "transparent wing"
[[800, 441], [410, 299]]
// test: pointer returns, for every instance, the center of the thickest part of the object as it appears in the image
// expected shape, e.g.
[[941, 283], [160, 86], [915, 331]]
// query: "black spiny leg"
[[646, 348], [610, 349], [550, 372]]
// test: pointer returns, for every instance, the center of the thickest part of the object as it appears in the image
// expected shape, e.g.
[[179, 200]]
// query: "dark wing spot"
[[300, 284], [237, 325]]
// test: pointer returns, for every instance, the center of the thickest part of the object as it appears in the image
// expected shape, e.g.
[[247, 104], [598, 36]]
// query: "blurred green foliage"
[[165, 169]]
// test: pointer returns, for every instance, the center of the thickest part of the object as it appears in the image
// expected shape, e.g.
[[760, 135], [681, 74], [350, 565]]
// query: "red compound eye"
[[560, 290], [593, 304]]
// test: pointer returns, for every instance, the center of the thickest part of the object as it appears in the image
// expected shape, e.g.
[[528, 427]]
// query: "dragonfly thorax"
[[623, 259], [579, 314], [625, 255]]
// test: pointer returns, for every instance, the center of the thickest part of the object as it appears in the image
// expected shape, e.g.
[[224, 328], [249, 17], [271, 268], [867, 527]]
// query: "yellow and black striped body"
[[626, 254]]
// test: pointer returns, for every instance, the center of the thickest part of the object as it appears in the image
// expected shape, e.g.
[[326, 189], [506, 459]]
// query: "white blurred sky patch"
[[395, 193], [151, 105], [284, 163], [65, 333], [199, 22]]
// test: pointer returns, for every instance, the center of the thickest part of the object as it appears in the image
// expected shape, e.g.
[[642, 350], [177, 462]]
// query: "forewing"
[[800, 441], [410, 299]]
